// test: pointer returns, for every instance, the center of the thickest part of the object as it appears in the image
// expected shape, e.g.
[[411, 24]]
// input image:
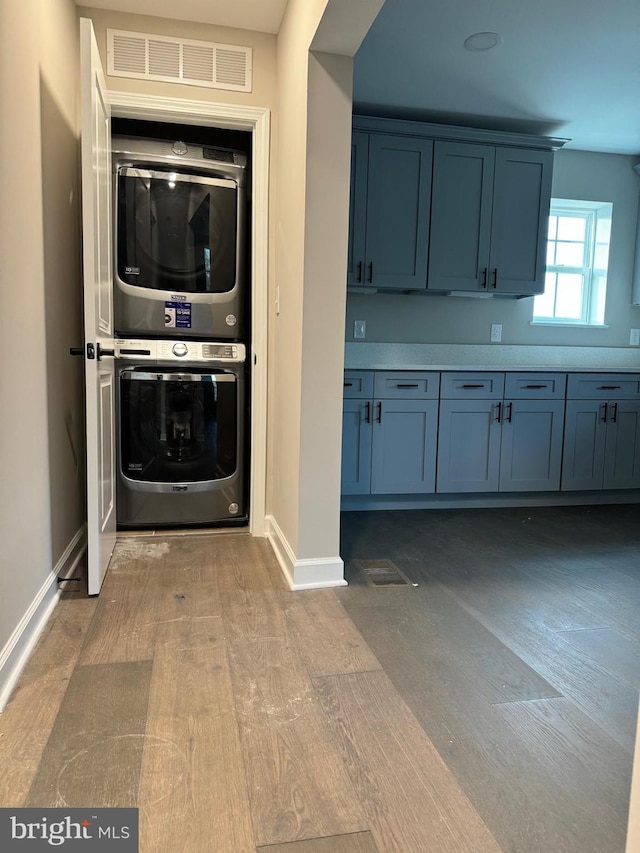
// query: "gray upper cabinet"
[[389, 213], [490, 209], [358, 208], [461, 216]]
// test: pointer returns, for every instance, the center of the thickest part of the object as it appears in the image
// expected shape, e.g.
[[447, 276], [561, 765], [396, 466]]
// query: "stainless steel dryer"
[[181, 442], [180, 214]]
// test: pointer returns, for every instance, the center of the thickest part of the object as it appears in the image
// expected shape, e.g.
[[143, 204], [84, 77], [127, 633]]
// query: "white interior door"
[[98, 311]]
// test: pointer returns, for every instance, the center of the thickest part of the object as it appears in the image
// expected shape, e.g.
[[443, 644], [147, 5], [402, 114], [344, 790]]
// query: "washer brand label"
[[36, 830], [135, 466], [180, 488], [177, 315], [178, 297], [132, 270]]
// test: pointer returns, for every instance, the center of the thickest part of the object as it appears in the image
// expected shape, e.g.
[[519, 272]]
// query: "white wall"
[[41, 488], [262, 44], [312, 169], [444, 319]]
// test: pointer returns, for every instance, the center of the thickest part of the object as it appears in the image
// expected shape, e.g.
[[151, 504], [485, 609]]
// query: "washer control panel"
[[188, 351]]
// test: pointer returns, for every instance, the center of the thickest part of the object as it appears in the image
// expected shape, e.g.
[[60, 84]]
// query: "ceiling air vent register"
[[198, 63]]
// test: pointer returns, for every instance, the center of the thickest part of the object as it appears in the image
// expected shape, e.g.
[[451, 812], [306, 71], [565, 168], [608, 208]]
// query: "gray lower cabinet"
[[356, 447], [468, 446], [602, 445], [403, 457], [490, 443], [531, 445], [389, 440]]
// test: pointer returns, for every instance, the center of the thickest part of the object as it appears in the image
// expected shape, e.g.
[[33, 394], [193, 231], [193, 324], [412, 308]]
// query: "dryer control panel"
[[186, 351]]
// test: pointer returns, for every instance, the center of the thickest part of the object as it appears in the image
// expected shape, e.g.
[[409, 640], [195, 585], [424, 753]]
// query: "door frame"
[[257, 121]]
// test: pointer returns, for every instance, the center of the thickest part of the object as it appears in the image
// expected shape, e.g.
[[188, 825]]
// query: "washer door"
[[178, 427]]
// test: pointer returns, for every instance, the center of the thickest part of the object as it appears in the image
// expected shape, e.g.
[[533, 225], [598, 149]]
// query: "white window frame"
[[594, 280]]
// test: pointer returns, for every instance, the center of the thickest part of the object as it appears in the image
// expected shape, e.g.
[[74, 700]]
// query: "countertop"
[[376, 356]]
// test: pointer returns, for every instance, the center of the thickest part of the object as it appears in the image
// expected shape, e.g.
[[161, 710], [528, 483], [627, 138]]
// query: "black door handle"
[[102, 351], [76, 351]]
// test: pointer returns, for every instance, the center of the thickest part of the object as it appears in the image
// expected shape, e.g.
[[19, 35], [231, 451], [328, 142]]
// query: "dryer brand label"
[[132, 270], [177, 315]]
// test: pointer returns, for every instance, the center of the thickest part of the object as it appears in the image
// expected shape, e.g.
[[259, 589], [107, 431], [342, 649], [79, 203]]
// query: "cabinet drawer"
[[472, 386], [603, 386], [532, 386], [406, 385], [358, 384]]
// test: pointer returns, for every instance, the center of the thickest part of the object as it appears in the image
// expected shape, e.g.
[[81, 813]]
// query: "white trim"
[[633, 829], [256, 120], [303, 574], [22, 641]]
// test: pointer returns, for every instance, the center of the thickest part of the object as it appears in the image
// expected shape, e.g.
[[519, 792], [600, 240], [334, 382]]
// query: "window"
[[577, 260]]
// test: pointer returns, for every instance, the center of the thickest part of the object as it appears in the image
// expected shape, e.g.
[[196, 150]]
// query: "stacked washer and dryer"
[[180, 317]]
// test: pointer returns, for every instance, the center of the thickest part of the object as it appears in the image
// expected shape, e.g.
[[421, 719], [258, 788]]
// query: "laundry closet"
[[181, 308]]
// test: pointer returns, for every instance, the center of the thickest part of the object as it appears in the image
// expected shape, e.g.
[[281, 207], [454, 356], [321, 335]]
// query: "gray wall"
[[41, 427], [444, 319]]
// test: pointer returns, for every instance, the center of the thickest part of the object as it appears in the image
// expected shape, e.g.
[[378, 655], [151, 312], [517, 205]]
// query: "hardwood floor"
[[518, 654], [489, 708]]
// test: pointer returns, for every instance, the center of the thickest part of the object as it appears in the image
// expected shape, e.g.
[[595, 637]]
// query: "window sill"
[[568, 325]]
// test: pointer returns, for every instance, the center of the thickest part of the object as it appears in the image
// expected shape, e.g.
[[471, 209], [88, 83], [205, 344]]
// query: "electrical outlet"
[[496, 333], [634, 338], [359, 329]]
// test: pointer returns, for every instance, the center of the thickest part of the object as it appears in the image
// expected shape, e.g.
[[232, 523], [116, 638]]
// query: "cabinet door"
[[460, 216], [404, 447], [356, 447], [358, 208], [398, 208], [519, 221], [622, 453], [584, 444], [531, 447], [468, 446]]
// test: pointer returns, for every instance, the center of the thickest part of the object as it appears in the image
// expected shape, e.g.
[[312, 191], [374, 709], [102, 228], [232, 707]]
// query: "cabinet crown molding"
[[404, 127]]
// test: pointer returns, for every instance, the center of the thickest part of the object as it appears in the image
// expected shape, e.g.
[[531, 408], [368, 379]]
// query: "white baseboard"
[[22, 641], [303, 574]]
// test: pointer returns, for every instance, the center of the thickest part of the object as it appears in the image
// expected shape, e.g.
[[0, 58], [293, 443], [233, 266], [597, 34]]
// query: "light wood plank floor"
[[490, 708]]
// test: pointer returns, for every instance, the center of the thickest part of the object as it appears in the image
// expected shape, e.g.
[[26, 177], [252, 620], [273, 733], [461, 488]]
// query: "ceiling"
[[564, 68]]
